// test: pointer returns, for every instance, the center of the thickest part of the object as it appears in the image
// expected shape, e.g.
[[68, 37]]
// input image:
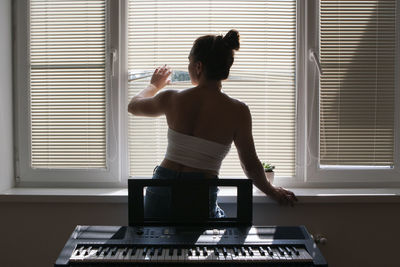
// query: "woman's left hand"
[[160, 77]]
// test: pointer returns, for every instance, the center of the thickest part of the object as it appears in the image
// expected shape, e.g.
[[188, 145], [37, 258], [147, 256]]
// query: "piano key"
[[144, 251], [152, 251], [281, 251], [183, 255], [269, 250], [197, 251], [242, 251], [205, 252], [258, 257], [216, 252], [128, 254], [160, 256], [288, 251], [250, 250], [261, 250], [170, 251], [295, 251], [138, 256], [235, 251], [113, 251]]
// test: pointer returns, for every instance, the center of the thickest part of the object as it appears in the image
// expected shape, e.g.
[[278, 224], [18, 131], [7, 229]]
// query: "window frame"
[[341, 176], [25, 174], [308, 173]]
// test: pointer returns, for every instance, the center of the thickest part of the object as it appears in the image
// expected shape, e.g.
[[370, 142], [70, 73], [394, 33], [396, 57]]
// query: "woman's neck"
[[210, 84]]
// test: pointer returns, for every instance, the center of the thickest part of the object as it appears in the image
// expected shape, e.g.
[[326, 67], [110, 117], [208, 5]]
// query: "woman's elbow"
[[132, 108]]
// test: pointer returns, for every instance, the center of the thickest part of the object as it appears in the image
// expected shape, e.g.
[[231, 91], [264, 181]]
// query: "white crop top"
[[195, 152]]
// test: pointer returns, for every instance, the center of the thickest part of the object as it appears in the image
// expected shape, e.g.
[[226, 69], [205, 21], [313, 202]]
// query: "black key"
[[235, 251], [269, 250], [224, 251], [106, 251], [262, 251], [288, 251], [124, 252], [114, 251], [78, 252], [98, 252], [243, 251], [216, 252], [205, 253], [159, 252], [152, 251], [190, 252], [295, 251], [179, 253], [250, 251], [170, 251], [197, 250], [144, 251], [134, 249], [281, 251]]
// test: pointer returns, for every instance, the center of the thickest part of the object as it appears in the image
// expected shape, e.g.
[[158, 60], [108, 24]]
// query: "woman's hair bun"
[[231, 39]]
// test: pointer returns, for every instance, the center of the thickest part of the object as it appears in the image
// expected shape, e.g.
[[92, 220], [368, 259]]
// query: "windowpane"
[[67, 48], [358, 44], [263, 75]]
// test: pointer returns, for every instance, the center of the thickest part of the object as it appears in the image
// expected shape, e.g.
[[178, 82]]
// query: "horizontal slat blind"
[[163, 32], [68, 110], [357, 86]]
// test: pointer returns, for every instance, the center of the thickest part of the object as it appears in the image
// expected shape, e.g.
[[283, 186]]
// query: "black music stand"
[[191, 196]]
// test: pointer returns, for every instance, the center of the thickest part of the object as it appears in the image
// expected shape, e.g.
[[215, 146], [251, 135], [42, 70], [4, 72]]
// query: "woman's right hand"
[[160, 77], [283, 196]]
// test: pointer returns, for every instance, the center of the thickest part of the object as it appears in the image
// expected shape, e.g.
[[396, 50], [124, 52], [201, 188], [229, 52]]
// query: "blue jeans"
[[157, 202]]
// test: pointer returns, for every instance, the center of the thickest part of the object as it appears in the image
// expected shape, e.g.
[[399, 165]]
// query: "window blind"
[[263, 74], [357, 88], [67, 86]]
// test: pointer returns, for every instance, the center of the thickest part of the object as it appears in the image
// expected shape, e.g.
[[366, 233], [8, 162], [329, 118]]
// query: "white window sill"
[[120, 195]]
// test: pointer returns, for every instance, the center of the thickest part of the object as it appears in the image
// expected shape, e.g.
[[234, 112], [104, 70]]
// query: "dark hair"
[[216, 53]]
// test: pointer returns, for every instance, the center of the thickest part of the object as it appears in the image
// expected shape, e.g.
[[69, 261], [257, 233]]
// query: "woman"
[[203, 122]]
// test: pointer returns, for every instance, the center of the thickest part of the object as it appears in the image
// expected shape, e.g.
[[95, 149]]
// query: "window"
[[64, 85], [319, 77], [357, 90], [263, 74]]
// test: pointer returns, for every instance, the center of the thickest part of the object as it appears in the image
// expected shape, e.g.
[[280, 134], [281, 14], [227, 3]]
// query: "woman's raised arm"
[[147, 102]]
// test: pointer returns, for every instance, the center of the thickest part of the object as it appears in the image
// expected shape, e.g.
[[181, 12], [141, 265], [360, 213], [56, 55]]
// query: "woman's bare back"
[[205, 113], [202, 112]]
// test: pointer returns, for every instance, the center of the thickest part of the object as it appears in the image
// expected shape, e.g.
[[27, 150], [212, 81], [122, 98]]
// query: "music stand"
[[184, 199]]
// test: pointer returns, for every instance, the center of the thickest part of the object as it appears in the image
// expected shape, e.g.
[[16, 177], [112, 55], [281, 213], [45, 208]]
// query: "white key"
[[128, 255], [211, 256], [167, 257], [257, 256], [138, 256], [180, 258], [174, 257], [158, 258], [184, 256]]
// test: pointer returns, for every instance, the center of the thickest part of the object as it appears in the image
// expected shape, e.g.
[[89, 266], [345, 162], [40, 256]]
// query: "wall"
[[364, 234], [33, 234], [6, 125]]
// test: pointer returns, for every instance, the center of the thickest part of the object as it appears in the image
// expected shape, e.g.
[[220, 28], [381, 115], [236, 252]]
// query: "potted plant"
[[269, 171]]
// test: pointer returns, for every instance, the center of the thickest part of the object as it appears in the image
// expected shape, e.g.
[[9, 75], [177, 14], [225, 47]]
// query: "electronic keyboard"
[[191, 237], [190, 246]]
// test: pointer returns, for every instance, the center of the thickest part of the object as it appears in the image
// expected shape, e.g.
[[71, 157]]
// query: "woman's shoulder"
[[236, 103]]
